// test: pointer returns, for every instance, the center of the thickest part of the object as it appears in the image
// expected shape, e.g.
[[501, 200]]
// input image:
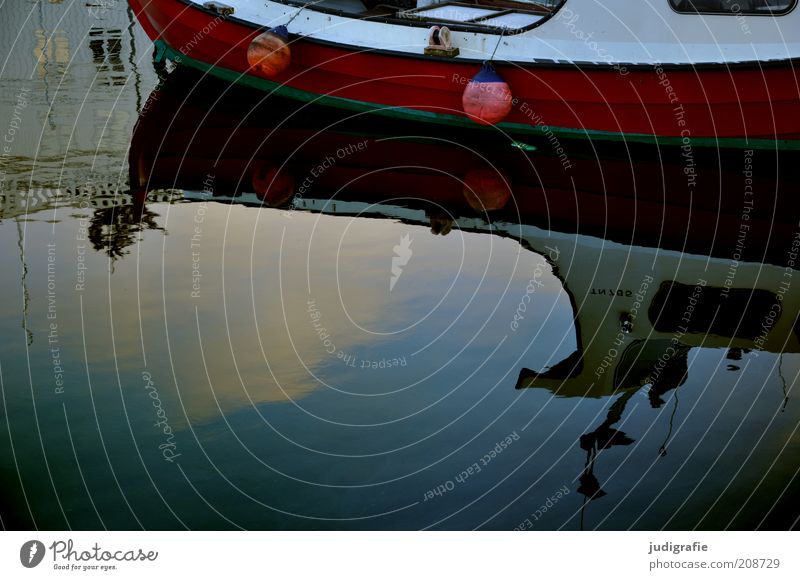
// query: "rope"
[[296, 14], [496, 46]]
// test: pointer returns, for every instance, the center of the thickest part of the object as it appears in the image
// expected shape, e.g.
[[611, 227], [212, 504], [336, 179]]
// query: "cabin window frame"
[[739, 13]]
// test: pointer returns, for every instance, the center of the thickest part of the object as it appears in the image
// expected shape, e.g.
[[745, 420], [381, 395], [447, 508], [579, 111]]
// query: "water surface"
[[242, 315]]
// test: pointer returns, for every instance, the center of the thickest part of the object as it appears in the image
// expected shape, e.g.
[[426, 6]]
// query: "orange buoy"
[[272, 185], [485, 189], [487, 97], [269, 53]]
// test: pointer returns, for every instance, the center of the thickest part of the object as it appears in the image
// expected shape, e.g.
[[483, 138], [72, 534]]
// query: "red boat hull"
[[755, 102]]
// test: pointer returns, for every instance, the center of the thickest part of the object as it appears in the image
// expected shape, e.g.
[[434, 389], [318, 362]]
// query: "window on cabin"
[[727, 312], [734, 7]]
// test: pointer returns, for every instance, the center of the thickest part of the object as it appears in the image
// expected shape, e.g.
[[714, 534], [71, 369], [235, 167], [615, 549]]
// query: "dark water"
[[241, 314]]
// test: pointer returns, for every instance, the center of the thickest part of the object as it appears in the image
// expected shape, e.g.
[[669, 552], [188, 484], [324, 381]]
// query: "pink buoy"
[[487, 97], [269, 53], [485, 189]]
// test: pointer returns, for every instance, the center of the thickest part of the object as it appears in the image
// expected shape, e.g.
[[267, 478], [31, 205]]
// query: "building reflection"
[[106, 47], [114, 230], [51, 53]]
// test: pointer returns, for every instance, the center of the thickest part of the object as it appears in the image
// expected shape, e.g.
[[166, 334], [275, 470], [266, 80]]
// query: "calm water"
[[239, 314]]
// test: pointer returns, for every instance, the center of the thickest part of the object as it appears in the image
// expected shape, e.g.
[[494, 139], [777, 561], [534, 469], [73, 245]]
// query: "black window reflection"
[[734, 7]]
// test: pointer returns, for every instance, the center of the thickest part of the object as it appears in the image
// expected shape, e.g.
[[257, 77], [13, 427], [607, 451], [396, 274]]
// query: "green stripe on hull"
[[164, 52]]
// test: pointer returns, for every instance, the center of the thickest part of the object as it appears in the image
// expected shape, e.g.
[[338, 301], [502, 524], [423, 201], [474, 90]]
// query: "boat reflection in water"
[[659, 251]]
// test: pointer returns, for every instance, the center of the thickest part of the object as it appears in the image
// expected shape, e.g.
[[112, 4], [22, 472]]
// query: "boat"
[[691, 73]]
